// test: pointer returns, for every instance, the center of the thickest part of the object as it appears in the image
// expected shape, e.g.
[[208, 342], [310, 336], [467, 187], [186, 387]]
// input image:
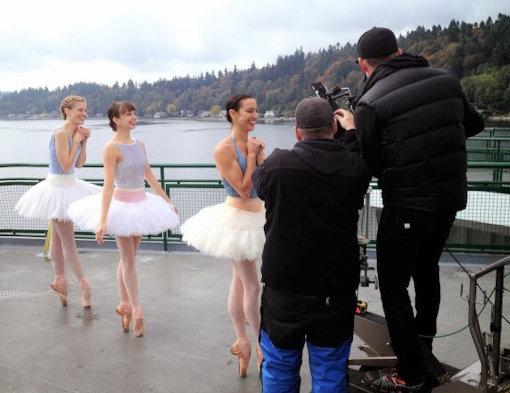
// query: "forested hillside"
[[479, 54]]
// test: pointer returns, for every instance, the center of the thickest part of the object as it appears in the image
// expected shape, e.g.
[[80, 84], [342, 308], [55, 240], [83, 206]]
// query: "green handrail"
[[498, 183], [471, 164]]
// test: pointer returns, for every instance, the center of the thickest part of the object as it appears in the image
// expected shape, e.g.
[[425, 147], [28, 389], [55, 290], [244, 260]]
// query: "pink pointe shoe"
[[85, 293], [260, 358], [125, 312], [138, 323], [59, 285], [243, 353]]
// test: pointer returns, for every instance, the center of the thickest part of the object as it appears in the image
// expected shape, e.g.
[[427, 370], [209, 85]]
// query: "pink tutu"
[[131, 213]]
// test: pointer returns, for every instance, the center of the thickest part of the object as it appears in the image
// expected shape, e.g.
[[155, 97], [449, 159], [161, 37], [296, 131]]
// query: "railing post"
[[367, 213], [162, 180], [496, 322], [162, 176], [47, 241]]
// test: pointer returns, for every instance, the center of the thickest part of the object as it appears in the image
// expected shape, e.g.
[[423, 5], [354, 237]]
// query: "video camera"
[[335, 95], [335, 98]]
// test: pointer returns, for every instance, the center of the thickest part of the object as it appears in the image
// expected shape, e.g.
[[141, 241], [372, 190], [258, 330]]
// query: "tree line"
[[478, 53]]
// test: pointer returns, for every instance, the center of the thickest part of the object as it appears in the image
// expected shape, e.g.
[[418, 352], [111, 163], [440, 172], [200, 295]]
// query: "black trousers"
[[409, 244], [290, 319]]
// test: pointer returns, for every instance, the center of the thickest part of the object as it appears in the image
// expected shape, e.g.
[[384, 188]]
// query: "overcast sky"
[[56, 43]]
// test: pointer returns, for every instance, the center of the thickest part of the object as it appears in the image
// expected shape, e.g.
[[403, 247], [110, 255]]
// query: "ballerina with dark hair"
[[124, 209], [234, 229]]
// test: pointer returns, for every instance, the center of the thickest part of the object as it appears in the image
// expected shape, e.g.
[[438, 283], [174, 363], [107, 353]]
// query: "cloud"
[[54, 43]]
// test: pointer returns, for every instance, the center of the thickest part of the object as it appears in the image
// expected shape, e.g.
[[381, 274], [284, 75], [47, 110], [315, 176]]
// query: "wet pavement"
[[46, 348]]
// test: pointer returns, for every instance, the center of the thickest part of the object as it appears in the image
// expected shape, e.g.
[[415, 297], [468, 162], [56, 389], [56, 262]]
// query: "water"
[[188, 141], [166, 141]]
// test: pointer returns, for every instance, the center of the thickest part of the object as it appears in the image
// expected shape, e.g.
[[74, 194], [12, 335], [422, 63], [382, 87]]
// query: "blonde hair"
[[68, 103]]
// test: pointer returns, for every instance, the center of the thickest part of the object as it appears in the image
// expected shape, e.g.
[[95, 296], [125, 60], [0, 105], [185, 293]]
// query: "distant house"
[[187, 113], [160, 115], [269, 115], [204, 114]]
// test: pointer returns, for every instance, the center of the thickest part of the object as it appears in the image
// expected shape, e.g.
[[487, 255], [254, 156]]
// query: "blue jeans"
[[328, 367]]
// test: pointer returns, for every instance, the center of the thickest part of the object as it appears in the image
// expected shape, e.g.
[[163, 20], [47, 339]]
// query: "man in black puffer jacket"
[[310, 262], [412, 121]]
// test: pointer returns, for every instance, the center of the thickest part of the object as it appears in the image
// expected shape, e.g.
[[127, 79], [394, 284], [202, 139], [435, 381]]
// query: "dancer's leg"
[[235, 305], [124, 297], [247, 273], [136, 243], [127, 251], [57, 257], [123, 294], [59, 283], [125, 308], [243, 305], [65, 231]]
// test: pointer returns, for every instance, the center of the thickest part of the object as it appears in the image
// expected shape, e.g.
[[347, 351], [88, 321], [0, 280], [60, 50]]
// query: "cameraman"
[[412, 121], [310, 262]]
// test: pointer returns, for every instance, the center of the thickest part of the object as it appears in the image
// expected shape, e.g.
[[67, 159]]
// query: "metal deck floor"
[[46, 348]]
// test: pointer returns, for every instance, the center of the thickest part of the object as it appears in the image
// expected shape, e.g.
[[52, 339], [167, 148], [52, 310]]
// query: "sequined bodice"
[[129, 173]]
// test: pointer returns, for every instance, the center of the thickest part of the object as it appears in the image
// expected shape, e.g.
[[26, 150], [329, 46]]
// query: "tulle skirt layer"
[[50, 198], [224, 231], [137, 215]]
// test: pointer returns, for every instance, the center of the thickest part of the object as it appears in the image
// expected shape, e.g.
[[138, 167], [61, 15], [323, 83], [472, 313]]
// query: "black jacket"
[[312, 194], [413, 121]]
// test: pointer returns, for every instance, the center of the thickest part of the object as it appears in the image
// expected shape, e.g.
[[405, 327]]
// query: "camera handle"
[[332, 96]]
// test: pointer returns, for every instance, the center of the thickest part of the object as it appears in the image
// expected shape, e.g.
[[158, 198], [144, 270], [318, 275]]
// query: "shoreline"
[[278, 120], [275, 120]]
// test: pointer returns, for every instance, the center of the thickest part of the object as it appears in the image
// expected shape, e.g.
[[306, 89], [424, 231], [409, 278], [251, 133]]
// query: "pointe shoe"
[[126, 316], [260, 358], [242, 356], [85, 293], [138, 323], [138, 327], [59, 285]]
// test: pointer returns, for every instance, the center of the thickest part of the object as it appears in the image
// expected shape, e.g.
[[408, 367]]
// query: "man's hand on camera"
[[345, 118]]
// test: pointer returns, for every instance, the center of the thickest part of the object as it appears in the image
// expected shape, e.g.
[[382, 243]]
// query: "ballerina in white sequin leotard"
[[124, 209]]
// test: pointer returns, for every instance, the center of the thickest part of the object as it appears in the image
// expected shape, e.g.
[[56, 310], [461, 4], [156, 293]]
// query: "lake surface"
[[166, 141]]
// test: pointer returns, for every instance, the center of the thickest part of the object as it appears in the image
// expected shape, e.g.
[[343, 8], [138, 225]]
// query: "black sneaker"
[[393, 383]]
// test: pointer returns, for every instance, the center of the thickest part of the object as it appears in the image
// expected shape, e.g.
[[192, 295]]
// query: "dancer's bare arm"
[[83, 152], [65, 155], [229, 168]]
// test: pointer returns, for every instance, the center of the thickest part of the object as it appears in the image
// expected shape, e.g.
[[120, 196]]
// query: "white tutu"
[[149, 216], [224, 231], [50, 198]]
